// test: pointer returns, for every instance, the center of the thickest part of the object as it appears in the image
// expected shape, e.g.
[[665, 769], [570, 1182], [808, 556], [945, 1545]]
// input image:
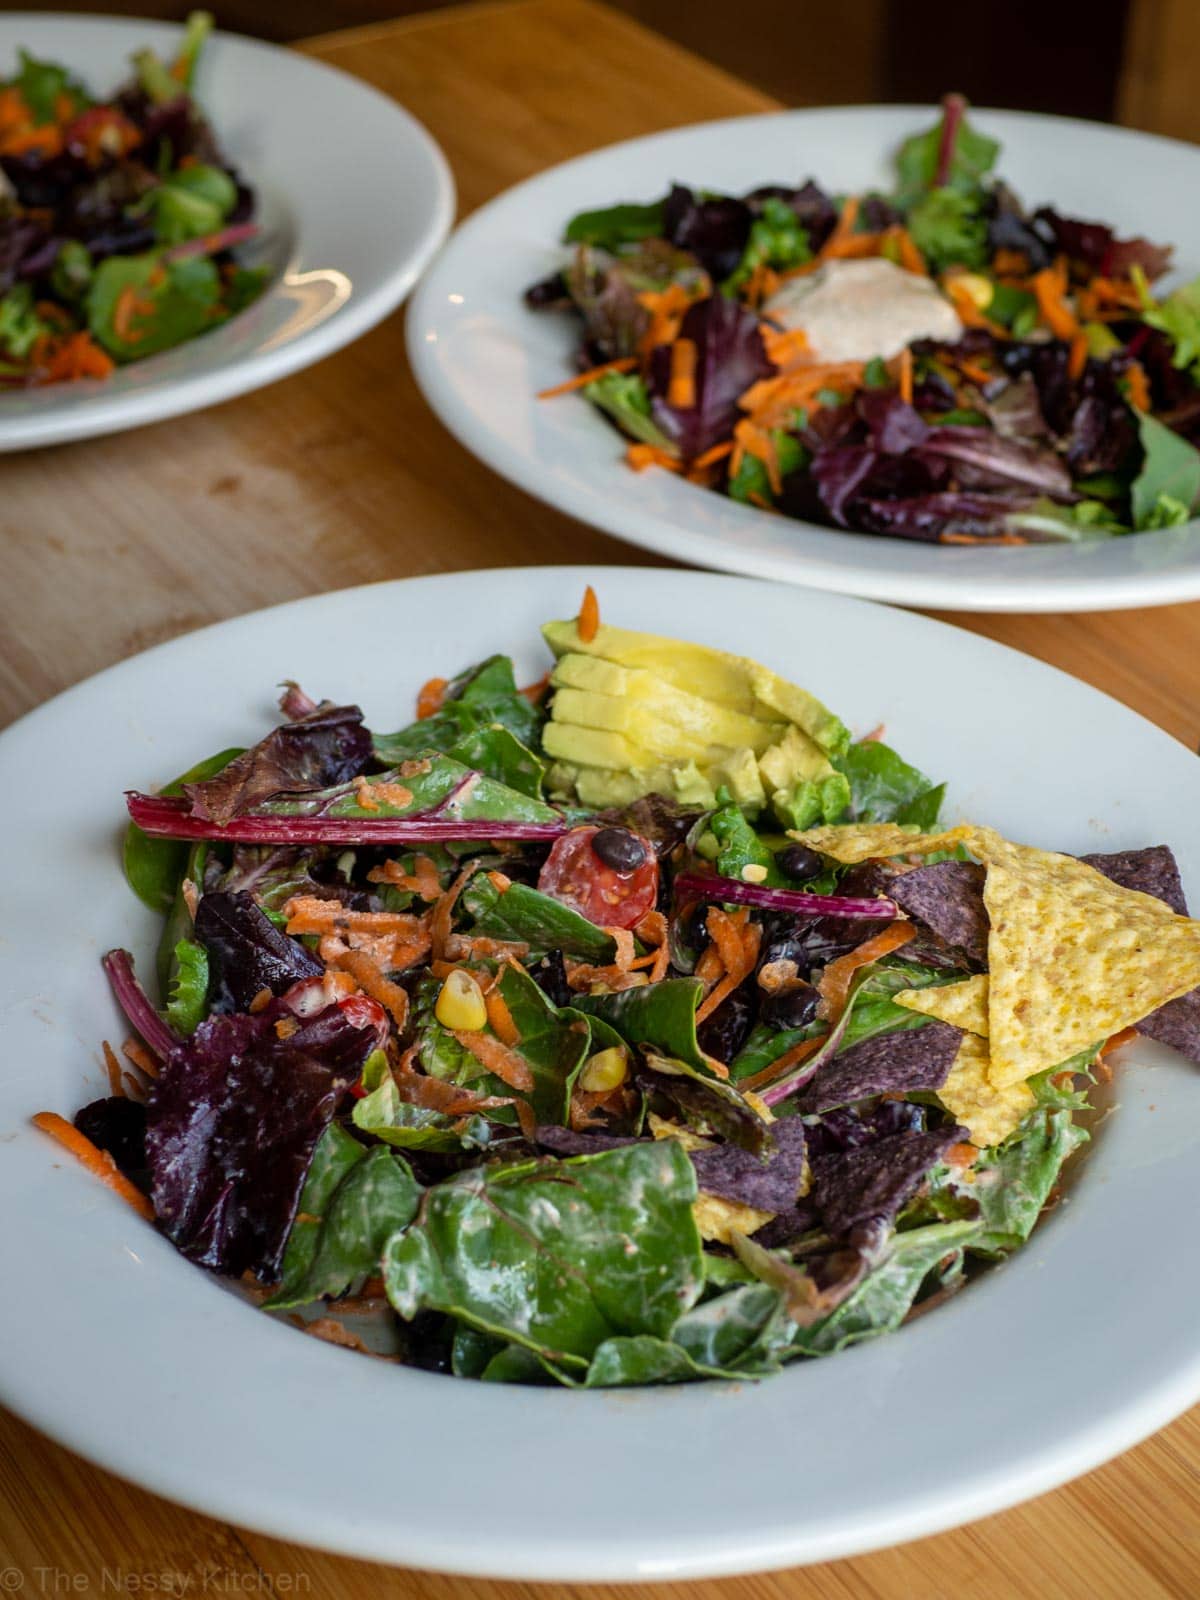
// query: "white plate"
[[121, 1349], [481, 357], [353, 195]]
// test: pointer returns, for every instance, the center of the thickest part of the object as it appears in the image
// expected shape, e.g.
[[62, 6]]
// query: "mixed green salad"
[[640, 1025], [119, 217], [937, 362]]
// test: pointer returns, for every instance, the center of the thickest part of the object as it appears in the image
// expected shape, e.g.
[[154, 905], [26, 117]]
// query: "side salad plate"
[[946, 357], [620, 1043], [177, 226]]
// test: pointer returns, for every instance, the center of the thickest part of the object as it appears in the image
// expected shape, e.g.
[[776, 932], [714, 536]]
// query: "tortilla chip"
[[1152, 869], [1072, 957], [717, 1219], [856, 842], [872, 1182], [1176, 1024], [989, 1114], [963, 1005], [887, 1063], [947, 898], [771, 1186]]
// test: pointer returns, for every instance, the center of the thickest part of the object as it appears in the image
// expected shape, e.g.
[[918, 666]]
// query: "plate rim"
[[618, 514], [1116, 1431], [362, 311]]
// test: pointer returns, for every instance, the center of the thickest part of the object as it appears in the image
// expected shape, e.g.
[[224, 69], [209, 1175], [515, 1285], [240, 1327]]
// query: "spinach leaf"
[[172, 302], [623, 396], [885, 1296], [949, 230], [616, 225], [740, 847], [884, 788], [44, 85], [554, 1041], [187, 1001], [973, 158], [744, 1329], [661, 1016], [751, 483], [375, 1197], [1013, 1181], [501, 755], [765, 1044], [154, 867], [1170, 472], [483, 695], [527, 916], [192, 202], [335, 1154], [433, 785], [383, 1114], [21, 324], [573, 1252], [778, 239]]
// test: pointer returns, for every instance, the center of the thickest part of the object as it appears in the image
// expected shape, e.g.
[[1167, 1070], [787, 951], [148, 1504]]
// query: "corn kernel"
[[460, 1005], [980, 289], [606, 1070], [754, 872]]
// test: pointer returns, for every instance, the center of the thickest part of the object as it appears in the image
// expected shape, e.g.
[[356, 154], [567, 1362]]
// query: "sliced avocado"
[[741, 776], [647, 706], [793, 759]]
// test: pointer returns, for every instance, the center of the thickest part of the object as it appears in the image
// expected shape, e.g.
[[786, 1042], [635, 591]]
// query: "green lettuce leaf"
[[383, 1114], [187, 1002], [527, 916], [1170, 470], [884, 788], [478, 698], [179, 299], [623, 396], [616, 225], [154, 867], [658, 1016], [557, 1256]]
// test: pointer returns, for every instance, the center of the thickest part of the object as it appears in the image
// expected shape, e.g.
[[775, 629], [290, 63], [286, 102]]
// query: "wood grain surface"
[[341, 476]]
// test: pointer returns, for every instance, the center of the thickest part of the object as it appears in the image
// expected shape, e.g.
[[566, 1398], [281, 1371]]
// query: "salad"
[[636, 1026], [118, 219], [936, 363]]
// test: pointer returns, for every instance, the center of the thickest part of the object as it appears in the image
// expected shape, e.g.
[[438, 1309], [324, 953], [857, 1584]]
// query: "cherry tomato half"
[[613, 886]]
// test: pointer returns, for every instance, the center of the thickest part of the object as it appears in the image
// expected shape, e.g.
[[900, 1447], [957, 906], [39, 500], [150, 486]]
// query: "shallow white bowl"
[[481, 357], [1077, 1348], [353, 195]]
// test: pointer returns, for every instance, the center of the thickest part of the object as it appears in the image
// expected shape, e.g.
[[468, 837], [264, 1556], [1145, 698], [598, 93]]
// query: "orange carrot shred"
[[501, 1019], [581, 381], [1049, 288], [430, 698], [113, 1068], [784, 1063], [1077, 358], [498, 1058], [681, 387], [1137, 386], [906, 376], [589, 616], [134, 1050], [98, 1162], [835, 981]]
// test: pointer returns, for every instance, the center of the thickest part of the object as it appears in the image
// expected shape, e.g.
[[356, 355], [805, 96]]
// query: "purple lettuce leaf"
[[893, 426], [730, 357], [1098, 248], [813, 208], [715, 231], [927, 517], [888, 1063], [871, 1182], [247, 952], [232, 1121], [326, 747], [948, 898], [985, 460]]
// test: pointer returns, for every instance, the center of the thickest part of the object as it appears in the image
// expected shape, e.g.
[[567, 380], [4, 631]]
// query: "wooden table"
[[341, 476]]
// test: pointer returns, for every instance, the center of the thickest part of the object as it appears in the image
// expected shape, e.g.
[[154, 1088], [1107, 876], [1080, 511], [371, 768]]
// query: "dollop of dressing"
[[857, 310]]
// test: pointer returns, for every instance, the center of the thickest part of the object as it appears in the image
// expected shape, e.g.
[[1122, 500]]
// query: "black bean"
[[799, 862], [619, 849], [791, 1007]]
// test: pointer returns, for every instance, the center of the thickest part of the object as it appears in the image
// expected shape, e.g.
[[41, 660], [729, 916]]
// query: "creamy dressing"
[[857, 310]]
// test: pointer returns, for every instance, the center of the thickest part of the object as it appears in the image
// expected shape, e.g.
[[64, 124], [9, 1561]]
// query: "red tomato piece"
[[611, 897]]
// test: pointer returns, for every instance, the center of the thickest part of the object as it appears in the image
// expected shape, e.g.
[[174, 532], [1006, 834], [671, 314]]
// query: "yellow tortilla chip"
[[853, 842], [965, 1004], [988, 1113], [1072, 957], [718, 1219]]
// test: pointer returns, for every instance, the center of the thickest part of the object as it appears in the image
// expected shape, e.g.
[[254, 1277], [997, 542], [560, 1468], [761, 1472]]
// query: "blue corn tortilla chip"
[[948, 898], [1153, 870], [566, 1142], [874, 1181], [785, 1227], [735, 1174], [1176, 1024], [896, 1063]]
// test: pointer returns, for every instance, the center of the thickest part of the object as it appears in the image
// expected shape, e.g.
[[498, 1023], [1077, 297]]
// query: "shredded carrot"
[[501, 1019], [784, 1063], [260, 1002], [128, 306], [834, 986], [430, 698], [589, 616], [582, 379], [113, 1068], [422, 881], [784, 346], [975, 371], [1077, 358], [681, 387], [440, 925], [306, 913], [1049, 287], [286, 1027], [1137, 386], [844, 225], [667, 308], [1015, 263], [47, 140], [66, 358], [134, 1050], [852, 246], [961, 1155], [1117, 1040], [372, 981], [752, 440], [710, 457], [498, 1058], [968, 312], [535, 693], [641, 456], [98, 1162], [737, 941], [709, 967], [911, 258], [334, 1332], [906, 376]]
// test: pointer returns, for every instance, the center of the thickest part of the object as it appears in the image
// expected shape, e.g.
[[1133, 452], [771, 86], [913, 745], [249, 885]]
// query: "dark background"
[[1121, 60]]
